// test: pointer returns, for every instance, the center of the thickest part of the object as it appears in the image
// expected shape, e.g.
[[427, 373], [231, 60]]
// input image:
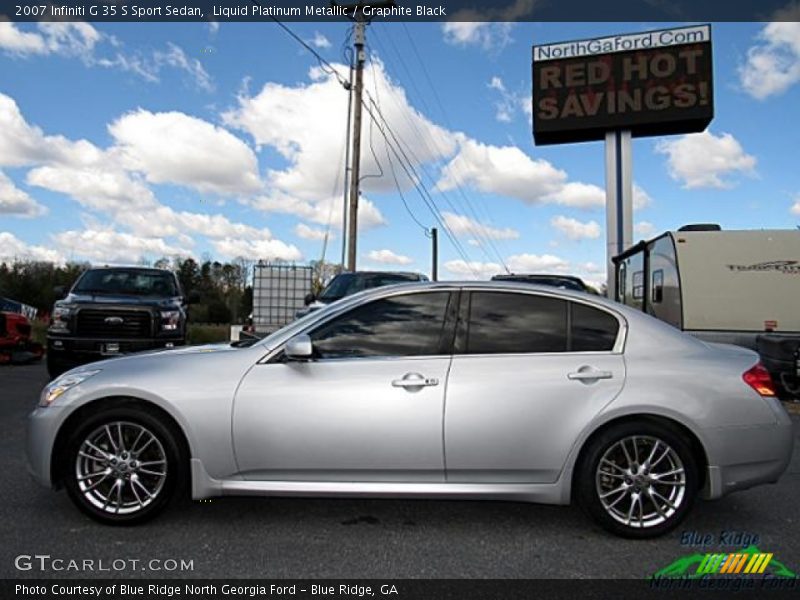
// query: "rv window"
[[638, 285], [658, 286]]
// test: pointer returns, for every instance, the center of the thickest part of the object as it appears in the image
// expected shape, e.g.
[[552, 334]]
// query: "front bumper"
[[94, 348], [744, 457], [41, 429]]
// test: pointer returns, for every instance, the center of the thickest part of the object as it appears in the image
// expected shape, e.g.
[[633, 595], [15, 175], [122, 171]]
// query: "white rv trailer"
[[738, 287]]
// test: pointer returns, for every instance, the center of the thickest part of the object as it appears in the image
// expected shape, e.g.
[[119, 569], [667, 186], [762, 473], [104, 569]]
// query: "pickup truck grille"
[[107, 324]]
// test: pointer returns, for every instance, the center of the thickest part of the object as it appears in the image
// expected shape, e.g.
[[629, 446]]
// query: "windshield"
[[127, 282], [346, 284]]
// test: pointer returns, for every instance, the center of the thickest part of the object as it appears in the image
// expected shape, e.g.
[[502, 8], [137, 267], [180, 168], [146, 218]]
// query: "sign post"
[[619, 200], [616, 88]]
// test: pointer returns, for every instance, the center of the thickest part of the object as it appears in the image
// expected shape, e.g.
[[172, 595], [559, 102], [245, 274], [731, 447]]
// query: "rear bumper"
[[744, 457]]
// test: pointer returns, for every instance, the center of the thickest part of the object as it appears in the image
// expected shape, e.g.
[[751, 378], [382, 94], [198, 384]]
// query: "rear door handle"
[[589, 374], [414, 380]]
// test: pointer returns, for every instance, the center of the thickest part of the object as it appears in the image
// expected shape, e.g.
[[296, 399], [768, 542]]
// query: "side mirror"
[[193, 297], [309, 298], [299, 348], [59, 291]]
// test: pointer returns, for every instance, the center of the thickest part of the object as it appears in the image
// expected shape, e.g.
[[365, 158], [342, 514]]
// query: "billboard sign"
[[651, 83]]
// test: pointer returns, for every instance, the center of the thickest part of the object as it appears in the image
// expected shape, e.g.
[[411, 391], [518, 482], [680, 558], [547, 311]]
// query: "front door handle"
[[589, 374], [414, 380]]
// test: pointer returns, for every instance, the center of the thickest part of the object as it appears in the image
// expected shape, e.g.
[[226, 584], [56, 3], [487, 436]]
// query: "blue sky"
[[125, 142]]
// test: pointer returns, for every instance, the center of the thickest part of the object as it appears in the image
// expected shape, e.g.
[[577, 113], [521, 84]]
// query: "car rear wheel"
[[637, 480], [123, 466]]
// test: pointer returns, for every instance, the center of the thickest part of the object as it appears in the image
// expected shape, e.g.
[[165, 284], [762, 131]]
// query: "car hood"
[[85, 297]]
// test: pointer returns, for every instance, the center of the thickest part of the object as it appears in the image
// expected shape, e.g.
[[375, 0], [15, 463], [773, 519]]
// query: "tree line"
[[224, 288]]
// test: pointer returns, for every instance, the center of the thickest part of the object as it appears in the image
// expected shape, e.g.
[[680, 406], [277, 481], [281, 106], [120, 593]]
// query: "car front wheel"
[[122, 466], [637, 480]]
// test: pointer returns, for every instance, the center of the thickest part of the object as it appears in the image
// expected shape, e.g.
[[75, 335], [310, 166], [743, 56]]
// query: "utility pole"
[[359, 41], [435, 254]]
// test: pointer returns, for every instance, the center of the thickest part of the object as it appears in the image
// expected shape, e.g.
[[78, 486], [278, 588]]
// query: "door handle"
[[414, 380], [589, 375]]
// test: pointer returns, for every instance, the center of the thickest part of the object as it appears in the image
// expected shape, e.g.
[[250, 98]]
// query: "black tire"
[[137, 506], [56, 365], [642, 493]]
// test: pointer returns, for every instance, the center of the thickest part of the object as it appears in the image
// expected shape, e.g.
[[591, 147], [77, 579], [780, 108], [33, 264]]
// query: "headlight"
[[55, 388], [170, 320], [60, 317]]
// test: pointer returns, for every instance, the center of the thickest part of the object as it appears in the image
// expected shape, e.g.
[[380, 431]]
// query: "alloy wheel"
[[641, 481], [121, 467]]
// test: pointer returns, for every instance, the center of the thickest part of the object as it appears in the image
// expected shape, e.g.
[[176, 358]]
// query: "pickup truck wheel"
[[637, 480], [122, 466]]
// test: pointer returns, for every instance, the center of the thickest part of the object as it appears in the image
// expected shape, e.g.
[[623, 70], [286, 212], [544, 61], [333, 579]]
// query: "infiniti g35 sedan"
[[447, 390]]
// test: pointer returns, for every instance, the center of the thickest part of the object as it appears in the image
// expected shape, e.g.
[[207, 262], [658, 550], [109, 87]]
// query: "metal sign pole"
[[619, 200]]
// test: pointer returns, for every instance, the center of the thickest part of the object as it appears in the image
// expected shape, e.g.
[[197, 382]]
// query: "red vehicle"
[[16, 346]]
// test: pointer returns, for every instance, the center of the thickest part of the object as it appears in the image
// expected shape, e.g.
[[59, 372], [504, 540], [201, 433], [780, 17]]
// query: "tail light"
[[758, 378]]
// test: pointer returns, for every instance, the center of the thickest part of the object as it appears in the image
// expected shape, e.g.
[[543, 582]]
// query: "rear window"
[[592, 330], [509, 323]]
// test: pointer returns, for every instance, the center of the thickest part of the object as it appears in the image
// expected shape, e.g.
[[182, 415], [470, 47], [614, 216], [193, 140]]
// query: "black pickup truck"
[[115, 310]]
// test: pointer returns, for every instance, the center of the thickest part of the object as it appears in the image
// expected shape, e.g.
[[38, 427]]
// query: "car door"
[[530, 370], [369, 405]]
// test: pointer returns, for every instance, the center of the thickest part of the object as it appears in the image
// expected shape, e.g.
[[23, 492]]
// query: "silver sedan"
[[474, 390]]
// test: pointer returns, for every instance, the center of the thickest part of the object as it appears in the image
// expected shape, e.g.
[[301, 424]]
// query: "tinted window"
[[592, 329], [502, 323], [121, 281], [410, 325]]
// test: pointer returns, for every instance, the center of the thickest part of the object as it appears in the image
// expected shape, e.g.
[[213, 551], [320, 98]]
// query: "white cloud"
[[540, 263], [773, 63], [22, 144], [388, 257], [66, 38], [16, 202], [462, 225], [472, 269], [320, 41], [304, 124], [322, 212], [13, 248], [796, 206], [80, 39], [302, 230], [113, 247], [641, 198], [578, 195], [105, 190], [644, 229], [486, 35], [198, 154], [510, 103], [15, 41], [257, 249], [505, 170], [704, 160], [576, 230], [213, 27], [518, 263]]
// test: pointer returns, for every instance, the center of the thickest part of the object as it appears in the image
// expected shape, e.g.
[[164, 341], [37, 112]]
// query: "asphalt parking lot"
[[300, 538]]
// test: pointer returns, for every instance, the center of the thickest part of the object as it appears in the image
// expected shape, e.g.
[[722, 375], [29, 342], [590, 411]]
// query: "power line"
[[408, 167], [475, 227]]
